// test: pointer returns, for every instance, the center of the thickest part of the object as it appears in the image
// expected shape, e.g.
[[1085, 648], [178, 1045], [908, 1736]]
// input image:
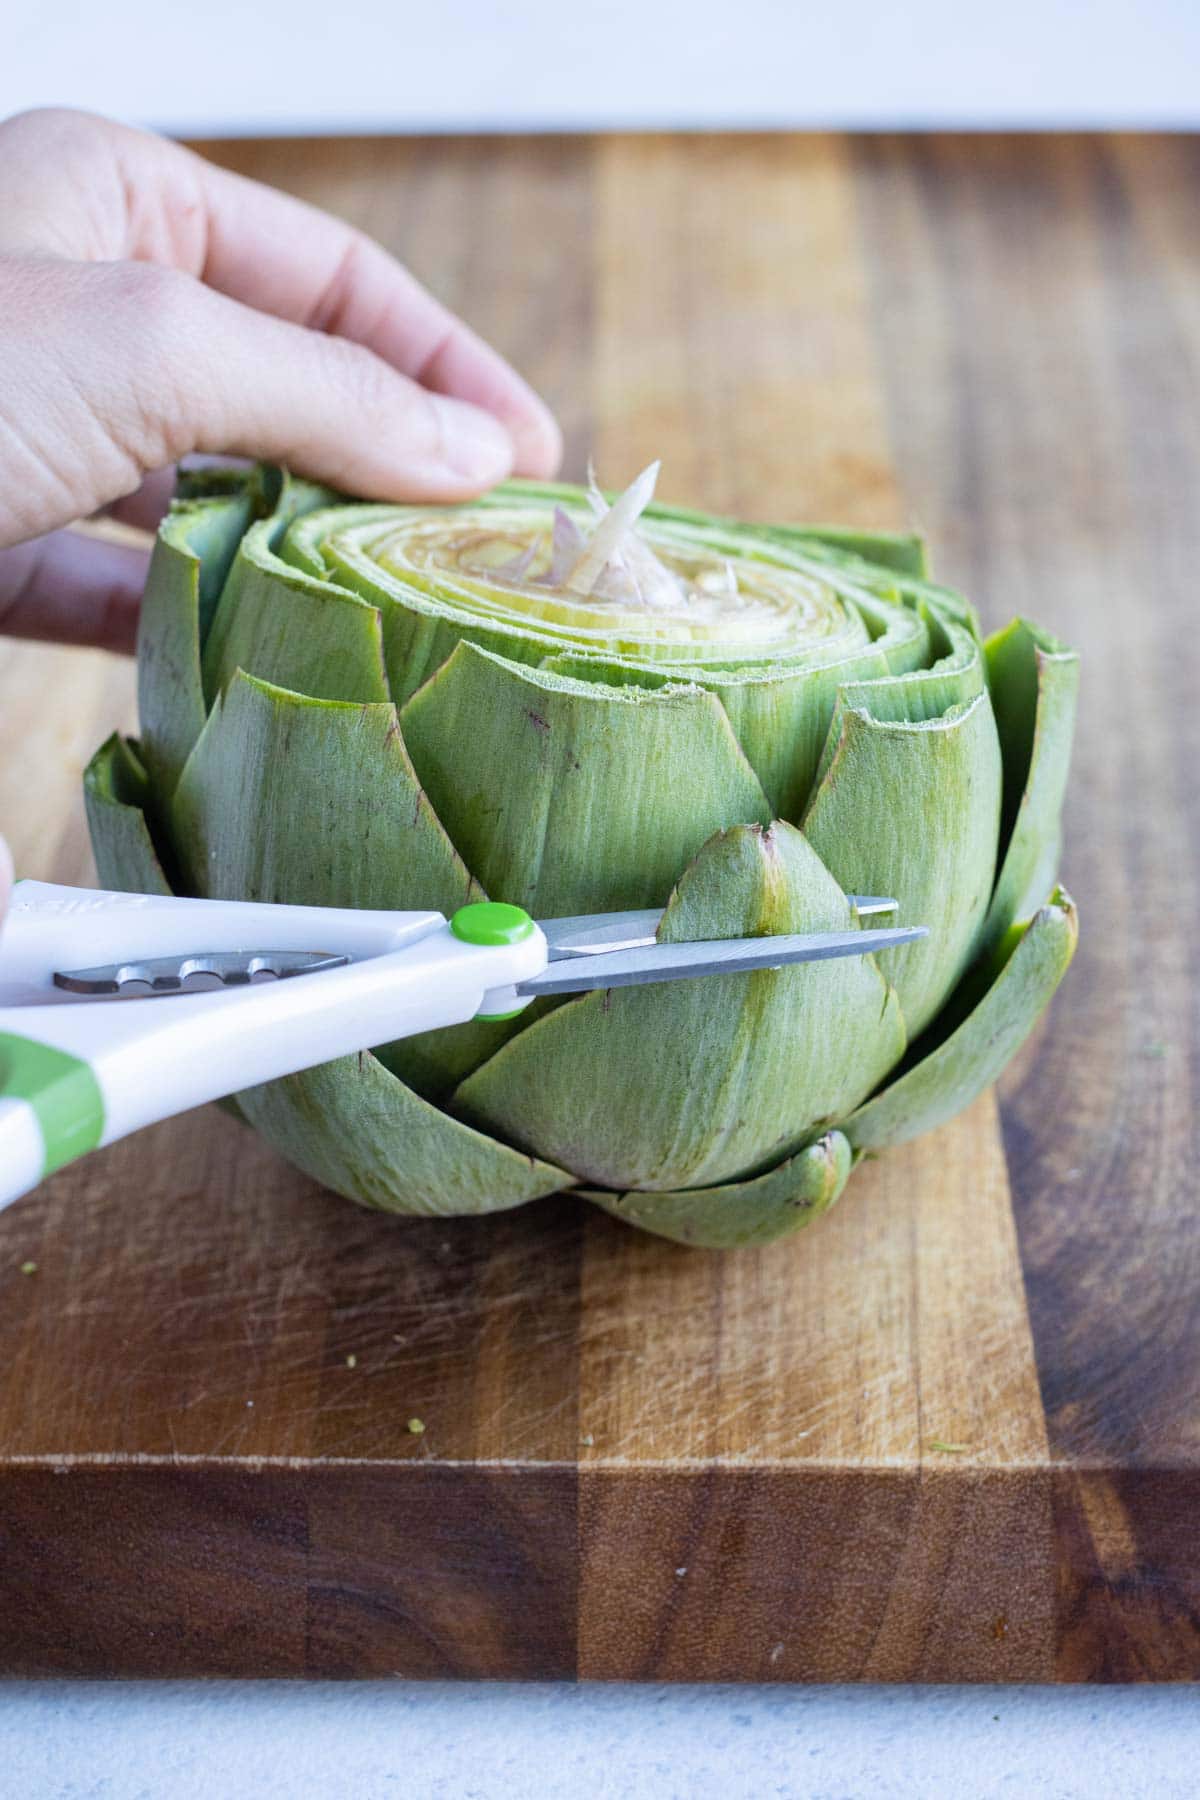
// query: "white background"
[[233, 66], [214, 67]]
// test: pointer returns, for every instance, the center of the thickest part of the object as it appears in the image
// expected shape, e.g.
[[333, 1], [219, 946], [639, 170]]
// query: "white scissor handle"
[[78, 1073]]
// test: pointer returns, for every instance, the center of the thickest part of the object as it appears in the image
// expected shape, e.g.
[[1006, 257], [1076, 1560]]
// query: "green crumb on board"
[[416, 1426], [29, 1268], [948, 1449], [1155, 1049], [587, 1440]]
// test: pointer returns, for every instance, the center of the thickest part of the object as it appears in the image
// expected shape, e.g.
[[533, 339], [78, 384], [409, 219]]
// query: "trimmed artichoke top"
[[573, 705], [604, 586]]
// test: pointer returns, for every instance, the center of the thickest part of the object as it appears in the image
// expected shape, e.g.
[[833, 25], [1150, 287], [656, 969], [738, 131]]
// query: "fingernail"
[[474, 445]]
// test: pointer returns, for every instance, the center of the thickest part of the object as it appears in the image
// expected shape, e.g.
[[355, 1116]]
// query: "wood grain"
[[637, 1460]]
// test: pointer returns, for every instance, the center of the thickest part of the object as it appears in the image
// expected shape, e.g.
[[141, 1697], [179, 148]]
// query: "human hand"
[[152, 305]]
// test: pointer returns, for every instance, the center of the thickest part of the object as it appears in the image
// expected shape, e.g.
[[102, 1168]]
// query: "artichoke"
[[541, 698]]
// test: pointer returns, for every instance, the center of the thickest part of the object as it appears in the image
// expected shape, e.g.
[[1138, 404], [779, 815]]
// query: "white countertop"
[[374, 1740]]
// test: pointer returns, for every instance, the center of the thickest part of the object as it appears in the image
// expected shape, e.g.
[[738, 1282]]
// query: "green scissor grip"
[[63, 1092]]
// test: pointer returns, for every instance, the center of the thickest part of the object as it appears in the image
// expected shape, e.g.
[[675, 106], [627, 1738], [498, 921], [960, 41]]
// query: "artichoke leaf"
[[780, 717], [422, 619], [782, 723], [741, 1213], [912, 809], [340, 820], [419, 639], [902, 551], [691, 1083], [195, 546], [339, 815], [433, 1063], [567, 797], [116, 788], [292, 629], [355, 1127], [780, 709], [1024, 973], [1034, 682], [116, 792], [348, 1123], [953, 677]]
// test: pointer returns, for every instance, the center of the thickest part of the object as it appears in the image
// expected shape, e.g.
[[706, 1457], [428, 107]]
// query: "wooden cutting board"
[[639, 1460]]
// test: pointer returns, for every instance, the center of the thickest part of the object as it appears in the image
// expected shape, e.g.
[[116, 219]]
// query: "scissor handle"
[[78, 1073], [51, 927], [51, 1111]]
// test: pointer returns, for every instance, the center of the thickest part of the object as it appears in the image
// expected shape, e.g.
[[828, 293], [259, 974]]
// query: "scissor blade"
[[195, 974], [872, 906], [722, 956], [593, 934]]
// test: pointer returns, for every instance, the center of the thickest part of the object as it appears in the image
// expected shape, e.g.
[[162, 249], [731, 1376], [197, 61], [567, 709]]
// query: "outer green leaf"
[[355, 1127], [115, 789], [913, 810], [339, 819], [434, 1062], [312, 803], [1027, 969], [954, 677], [564, 797], [780, 717], [350, 1123], [304, 545], [782, 724], [903, 551], [195, 549], [781, 709], [115, 792], [288, 628], [195, 546], [689, 1083], [1034, 681], [422, 624], [741, 1213]]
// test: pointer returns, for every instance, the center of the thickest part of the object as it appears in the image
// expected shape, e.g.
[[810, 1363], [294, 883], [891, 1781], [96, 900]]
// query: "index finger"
[[283, 256], [76, 184]]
